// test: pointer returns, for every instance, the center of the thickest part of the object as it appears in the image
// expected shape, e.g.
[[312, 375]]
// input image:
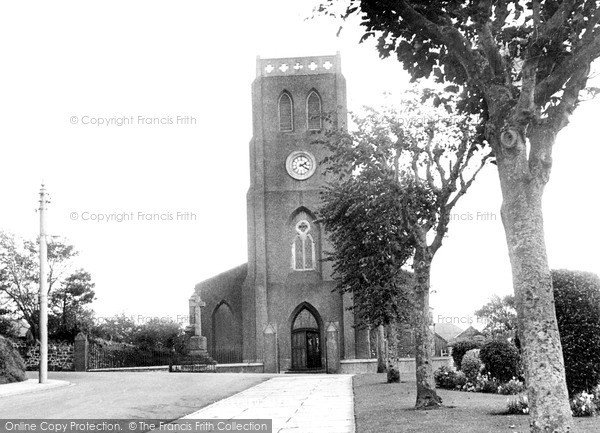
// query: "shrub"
[[445, 377], [583, 404], [12, 367], [501, 359], [512, 387], [460, 380], [459, 350], [393, 375], [577, 303], [518, 405], [471, 365], [487, 384]]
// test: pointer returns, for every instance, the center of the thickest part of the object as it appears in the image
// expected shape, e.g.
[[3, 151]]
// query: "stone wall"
[[60, 355]]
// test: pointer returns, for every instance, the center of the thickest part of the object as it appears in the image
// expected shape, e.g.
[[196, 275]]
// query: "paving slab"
[[295, 403]]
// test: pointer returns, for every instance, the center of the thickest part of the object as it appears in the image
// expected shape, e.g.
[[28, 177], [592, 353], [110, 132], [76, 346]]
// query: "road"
[[127, 395]]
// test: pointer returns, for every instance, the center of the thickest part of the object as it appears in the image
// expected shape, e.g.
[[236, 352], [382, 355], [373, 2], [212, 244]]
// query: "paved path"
[[30, 385], [296, 404]]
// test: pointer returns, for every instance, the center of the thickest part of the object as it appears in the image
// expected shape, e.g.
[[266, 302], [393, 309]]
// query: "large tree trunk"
[[381, 352], [522, 180], [427, 398]]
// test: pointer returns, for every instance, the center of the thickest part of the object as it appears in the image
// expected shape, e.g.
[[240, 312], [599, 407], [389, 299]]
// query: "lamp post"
[[43, 295]]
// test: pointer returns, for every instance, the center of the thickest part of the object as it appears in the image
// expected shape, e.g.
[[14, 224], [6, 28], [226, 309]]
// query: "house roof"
[[467, 334], [447, 330]]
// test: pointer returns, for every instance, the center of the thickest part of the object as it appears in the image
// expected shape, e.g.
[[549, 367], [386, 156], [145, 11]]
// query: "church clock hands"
[[300, 164]]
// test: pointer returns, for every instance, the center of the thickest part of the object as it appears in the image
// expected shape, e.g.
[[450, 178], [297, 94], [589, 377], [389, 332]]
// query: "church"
[[280, 311]]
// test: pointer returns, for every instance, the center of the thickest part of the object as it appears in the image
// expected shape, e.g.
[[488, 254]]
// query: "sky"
[[83, 82]]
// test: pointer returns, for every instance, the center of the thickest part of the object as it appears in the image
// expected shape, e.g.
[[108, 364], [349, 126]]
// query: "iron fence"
[[120, 356]]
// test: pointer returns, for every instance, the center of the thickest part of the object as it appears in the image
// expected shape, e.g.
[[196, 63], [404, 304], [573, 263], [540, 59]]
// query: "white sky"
[[189, 58]]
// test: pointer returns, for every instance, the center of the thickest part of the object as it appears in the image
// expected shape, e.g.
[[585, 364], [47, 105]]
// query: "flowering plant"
[[583, 404], [519, 405]]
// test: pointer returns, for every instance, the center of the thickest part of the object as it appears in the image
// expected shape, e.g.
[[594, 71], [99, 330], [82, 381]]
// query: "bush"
[[501, 359], [459, 350], [461, 380], [471, 365], [445, 377], [393, 375], [577, 303], [12, 367], [518, 406]]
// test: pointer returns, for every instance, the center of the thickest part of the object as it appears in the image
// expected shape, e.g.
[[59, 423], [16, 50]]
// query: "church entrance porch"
[[306, 341]]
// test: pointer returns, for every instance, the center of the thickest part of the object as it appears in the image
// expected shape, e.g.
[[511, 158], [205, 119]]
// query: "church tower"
[[286, 312]]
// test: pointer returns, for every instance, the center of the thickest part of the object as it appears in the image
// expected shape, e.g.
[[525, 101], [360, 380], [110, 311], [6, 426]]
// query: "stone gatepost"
[[270, 353], [80, 352], [332, 339]]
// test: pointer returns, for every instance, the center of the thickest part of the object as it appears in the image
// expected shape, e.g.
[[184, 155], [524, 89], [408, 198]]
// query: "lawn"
[[381, 408]]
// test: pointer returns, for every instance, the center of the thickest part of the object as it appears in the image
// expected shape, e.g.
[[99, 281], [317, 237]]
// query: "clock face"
[[300, 165]]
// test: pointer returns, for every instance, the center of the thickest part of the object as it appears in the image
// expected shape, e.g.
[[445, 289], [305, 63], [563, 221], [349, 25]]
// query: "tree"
[[523, 66], [160, 334], [500, 317], [119, 328], [19, 282], [69, 302], [394, 184]]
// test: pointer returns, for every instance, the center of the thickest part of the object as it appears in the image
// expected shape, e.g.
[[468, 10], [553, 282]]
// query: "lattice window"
[[286, 113], [313, 111], [303, 248]]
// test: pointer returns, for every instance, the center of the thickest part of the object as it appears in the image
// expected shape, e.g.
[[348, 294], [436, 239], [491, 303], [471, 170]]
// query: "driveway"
[[127, 395]]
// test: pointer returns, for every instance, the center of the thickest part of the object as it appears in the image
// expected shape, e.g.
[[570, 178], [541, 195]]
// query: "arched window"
[[313, 111], [286, 112], [303, 248]]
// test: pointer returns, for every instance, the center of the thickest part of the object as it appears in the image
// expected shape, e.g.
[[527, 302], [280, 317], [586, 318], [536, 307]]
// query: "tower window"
[[286, 113], [313, 111], [303, 248]]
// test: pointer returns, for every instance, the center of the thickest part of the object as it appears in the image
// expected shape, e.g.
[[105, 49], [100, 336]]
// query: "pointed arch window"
[[303, 248], [286, 113], [313, 111]]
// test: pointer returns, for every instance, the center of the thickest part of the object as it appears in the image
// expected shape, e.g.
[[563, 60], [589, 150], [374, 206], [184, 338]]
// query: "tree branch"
[[448, 36]]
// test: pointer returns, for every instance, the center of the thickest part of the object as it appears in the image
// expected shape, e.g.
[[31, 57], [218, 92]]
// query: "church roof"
[[233, 276]]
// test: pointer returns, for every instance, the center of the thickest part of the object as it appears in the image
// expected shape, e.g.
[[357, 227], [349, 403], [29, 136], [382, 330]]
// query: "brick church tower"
[[280, 311]]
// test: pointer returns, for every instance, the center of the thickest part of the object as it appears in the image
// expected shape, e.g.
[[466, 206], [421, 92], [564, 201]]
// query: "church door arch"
[[306, 340]]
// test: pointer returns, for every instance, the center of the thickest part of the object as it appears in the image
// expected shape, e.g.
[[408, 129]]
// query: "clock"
[[300, 164]]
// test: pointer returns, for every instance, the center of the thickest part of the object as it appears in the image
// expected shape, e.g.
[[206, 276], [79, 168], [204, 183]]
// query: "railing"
[[227, 354], [121, 356]]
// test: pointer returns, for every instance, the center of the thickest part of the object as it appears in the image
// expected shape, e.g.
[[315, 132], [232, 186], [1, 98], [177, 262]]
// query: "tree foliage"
[[151, 334], [394, 180], [500, 316], [69, 290]]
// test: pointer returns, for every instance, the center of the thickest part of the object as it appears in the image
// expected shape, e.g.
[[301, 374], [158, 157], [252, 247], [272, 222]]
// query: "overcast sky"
[[66, 64]]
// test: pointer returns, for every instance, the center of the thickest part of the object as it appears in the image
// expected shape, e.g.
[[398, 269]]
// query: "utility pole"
[[43, 296]]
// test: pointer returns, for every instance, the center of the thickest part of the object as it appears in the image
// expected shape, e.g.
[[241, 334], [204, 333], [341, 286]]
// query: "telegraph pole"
[[43, 296]]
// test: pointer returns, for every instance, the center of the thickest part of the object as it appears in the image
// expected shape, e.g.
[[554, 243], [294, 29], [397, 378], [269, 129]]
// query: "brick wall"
[[60, 355]]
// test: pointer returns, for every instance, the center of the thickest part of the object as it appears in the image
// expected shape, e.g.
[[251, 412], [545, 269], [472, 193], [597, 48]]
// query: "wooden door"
[[299, 350], [313, 350]]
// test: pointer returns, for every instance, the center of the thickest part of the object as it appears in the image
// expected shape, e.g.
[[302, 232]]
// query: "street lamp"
[[43, 295]]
